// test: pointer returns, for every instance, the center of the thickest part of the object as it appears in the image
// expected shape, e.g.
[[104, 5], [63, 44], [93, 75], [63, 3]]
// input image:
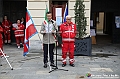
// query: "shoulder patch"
[[72, 26], [45, 22]]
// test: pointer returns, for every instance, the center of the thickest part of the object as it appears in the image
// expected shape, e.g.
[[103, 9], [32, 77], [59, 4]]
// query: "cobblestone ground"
[[105, 62]]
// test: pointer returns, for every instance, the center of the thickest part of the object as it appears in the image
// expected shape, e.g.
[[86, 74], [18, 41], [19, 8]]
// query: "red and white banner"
[[29, 32]]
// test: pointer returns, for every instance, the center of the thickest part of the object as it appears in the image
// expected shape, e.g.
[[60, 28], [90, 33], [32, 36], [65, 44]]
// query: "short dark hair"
[[48, 13], [23, 18], [19, 20]]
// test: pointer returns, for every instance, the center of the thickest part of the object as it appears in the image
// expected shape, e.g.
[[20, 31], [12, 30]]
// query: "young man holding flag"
[[48, 30]]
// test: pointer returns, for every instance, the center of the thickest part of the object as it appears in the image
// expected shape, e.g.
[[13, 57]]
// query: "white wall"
[[37, 11]]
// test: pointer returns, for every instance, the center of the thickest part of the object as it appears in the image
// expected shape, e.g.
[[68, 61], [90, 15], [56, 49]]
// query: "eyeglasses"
[[68, 19]]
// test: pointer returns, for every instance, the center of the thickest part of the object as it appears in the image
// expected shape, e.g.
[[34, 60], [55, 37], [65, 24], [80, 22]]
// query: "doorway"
[[58, 5], [100, 23], [111, 11], [14, 10], [103, 22], [57, 9]]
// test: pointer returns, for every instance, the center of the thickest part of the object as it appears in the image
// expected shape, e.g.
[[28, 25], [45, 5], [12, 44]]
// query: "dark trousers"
[[51, 53]]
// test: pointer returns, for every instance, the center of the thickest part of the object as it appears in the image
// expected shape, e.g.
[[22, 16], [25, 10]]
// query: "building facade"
[[15, 9], [102, 12], [37, 10]]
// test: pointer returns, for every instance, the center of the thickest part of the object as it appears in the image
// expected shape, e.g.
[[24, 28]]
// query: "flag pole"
[[40, 40], [48, 47], [56, 67]]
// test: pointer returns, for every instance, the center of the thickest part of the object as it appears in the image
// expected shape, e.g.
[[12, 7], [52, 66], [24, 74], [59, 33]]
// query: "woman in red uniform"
[[19, 32], [1, 40], [6, 24]]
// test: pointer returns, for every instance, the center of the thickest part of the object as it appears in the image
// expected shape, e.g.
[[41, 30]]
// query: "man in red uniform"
[[1, 40], [6, 27], [68, 33], [19, 32]]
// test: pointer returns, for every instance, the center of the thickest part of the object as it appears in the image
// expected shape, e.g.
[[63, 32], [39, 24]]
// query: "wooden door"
[[53, 10]]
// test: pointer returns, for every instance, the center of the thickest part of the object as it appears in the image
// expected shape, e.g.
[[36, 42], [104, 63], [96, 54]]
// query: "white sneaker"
[[18, 47], [5, 56]]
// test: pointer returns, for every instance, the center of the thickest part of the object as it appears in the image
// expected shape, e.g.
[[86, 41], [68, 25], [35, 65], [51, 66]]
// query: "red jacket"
[[6, 26], [19, 30], [68, 32], [1, 30]]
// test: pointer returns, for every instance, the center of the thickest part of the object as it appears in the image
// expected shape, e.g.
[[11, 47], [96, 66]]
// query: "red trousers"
[[68, 47], [1, 46], [7, 38], [19, 39]]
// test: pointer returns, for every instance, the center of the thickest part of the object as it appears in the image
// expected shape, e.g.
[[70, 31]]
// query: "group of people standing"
[[5, 31], [48, 30], [67, 32]]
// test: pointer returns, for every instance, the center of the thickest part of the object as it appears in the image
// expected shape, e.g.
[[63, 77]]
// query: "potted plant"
[[82, 42]]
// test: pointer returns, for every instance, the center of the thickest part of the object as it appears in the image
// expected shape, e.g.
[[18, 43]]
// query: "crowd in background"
[[18, 29]]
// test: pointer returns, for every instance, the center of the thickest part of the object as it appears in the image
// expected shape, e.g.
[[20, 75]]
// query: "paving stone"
[[6, 77], [31, 66], [18, 77], [43, 72], [101, 69], [68, 76], [91, 66]]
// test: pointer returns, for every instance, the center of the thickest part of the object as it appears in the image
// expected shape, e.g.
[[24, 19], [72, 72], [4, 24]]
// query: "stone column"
[[1, 10]]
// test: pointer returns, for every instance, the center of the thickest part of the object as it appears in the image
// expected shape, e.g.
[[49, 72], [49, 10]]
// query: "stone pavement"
[[105, 62]]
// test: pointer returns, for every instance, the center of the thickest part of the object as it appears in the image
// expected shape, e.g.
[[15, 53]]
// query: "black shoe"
[[45, 65], [5, 43], [63, 65], [72, 65], [52, 64]]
